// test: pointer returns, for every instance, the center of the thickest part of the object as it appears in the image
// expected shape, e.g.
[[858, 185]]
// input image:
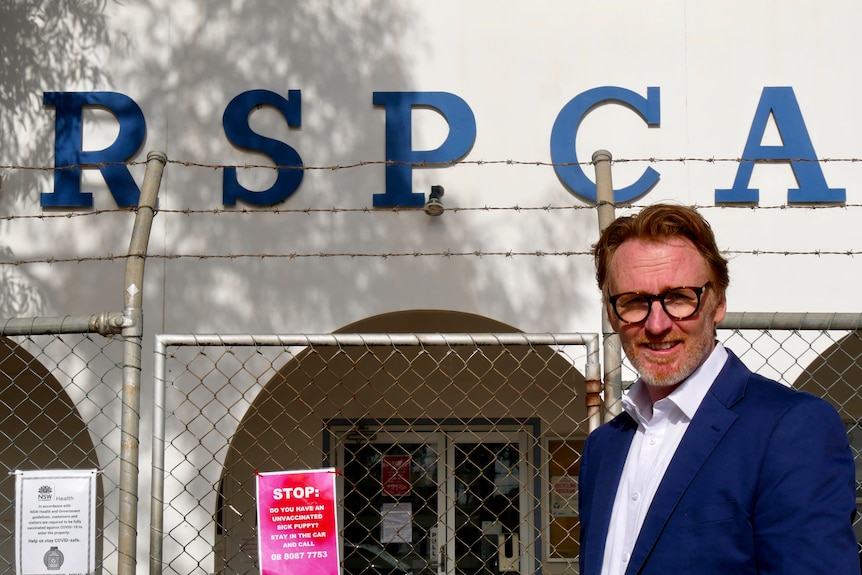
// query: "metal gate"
[[485, 429], [489, 426]]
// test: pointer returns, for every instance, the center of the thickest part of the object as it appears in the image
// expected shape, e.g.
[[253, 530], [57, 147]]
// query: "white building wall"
[[516, 64]]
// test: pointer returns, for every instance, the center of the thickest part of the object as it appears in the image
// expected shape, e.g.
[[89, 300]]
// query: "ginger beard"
[[657, 371]]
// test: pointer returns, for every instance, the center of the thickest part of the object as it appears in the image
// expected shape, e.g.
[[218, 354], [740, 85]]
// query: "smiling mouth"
[[661, 346]]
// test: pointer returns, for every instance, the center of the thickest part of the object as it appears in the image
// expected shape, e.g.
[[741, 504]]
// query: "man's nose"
[[658, 320]]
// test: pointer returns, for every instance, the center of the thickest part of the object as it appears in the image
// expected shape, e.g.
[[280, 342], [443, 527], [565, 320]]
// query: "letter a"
[[796, 149]]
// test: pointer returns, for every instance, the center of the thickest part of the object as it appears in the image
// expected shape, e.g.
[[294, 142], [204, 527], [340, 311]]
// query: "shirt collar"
[[687, 396]]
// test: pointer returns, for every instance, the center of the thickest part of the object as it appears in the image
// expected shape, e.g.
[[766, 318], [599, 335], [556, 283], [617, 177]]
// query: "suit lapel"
[[610, 470], [708, 426]]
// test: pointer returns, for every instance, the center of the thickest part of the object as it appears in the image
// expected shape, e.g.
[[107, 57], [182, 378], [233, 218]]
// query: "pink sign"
[[297, 530], [396, 474]]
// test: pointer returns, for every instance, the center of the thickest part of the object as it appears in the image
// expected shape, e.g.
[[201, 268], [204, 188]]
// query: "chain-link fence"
[[60, 408], [487, 433], [70, 399], [477, 418], [490, 429]]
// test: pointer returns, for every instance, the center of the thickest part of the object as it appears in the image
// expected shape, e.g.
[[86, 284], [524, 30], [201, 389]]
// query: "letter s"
[[239, 133]]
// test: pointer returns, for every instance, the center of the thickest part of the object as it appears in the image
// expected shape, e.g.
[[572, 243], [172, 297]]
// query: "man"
[[711, 468]]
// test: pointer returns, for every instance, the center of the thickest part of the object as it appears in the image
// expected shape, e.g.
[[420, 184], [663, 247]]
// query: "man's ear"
[[720, 310]]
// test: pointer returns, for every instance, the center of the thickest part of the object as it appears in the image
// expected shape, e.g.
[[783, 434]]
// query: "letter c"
[[565, 130]]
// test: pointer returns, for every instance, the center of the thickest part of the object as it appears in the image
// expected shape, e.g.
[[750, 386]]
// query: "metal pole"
[[792, 321], [612, 351], [157, 481], [132, 338], [593, 384], [106, 323], [385, 339]]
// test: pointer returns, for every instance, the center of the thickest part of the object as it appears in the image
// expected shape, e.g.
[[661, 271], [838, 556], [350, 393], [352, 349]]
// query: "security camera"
[[434, 206]]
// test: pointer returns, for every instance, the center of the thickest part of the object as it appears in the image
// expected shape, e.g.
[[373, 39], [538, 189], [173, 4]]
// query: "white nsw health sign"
[[55, 528]]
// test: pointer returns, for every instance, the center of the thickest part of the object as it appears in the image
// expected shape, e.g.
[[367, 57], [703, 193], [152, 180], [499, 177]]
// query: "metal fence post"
[[132, 338], [612, 351]]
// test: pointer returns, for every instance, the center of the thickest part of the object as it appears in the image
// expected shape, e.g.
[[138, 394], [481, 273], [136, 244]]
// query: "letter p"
[[401, 158]]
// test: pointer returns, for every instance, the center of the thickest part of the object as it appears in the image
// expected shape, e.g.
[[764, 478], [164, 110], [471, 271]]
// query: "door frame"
[[525, 433]]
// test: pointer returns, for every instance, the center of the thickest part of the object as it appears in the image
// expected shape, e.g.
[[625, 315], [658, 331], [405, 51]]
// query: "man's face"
[[664, 350]]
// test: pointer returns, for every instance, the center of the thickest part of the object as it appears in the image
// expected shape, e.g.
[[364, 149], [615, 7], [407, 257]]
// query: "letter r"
[[69, 155]]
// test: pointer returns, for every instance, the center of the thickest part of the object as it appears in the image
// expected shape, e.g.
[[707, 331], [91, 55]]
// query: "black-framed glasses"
[[678, 303]]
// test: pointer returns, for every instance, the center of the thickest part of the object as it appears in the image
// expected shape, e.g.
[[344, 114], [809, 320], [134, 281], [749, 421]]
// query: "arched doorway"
[[40, 428], [469, 420], [836, 375]]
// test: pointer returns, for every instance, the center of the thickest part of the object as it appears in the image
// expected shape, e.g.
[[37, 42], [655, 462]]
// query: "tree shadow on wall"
[[338, 54], [44, 46]]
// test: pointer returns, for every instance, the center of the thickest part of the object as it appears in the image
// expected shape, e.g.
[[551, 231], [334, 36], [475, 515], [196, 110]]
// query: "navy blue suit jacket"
[[763, 482]]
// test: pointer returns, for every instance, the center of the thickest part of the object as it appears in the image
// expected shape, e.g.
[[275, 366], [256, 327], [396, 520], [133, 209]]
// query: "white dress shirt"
[[660, 430]]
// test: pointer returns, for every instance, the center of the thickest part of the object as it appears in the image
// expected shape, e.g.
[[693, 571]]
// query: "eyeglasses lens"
[[678, 303]]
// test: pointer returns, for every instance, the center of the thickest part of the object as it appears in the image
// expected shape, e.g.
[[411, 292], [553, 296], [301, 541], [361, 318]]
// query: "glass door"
[[391, 504], [487, 515], [435, 503]]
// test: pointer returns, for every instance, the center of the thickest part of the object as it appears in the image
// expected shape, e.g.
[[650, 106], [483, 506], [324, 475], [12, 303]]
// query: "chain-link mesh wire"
[[60, 408], [492, 435], [456, 433]]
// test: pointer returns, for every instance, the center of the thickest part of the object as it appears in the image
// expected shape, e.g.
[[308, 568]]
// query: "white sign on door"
[[55, 528]]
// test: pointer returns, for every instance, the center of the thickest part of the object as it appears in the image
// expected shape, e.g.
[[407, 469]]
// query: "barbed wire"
[[388, 255], [423, 164], [279, 210], [396, 210]]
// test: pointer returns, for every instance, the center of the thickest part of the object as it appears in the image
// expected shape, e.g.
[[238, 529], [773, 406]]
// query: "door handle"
[[508, 562]]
